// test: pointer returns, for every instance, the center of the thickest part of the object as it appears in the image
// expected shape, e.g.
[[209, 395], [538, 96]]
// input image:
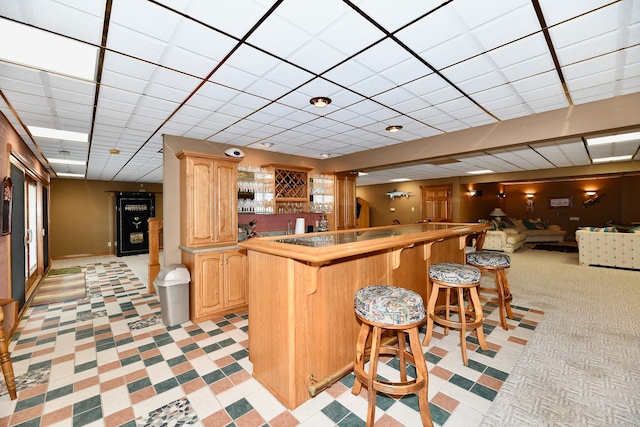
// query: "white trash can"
[[172, 284]]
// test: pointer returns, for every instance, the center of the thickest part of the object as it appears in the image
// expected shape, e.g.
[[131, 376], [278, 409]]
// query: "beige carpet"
[[582, 365]]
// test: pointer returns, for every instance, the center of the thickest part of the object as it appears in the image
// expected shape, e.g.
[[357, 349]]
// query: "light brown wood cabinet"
[[218, 282], [345, 201], [208, 199]]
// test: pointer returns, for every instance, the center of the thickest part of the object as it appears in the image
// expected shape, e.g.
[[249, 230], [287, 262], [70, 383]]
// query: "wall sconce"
[[530, 195], [590, 193], [502, 195], [475, 193]]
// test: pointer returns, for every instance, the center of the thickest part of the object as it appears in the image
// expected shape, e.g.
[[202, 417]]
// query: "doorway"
[[436, 203]]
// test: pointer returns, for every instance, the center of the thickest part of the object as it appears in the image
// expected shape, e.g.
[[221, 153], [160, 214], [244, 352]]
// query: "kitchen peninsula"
[[302, 327]]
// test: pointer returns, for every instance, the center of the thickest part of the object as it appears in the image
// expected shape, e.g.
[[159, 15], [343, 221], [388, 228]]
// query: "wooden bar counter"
[[302, 326]]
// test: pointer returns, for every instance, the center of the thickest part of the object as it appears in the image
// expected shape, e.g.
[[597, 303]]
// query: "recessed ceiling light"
[[66, 135], [362, 173], [399, 180], [325, 155], [394, 129], [267, 144], [47, 51], [480, 172], [612, 139], [67, 162], [114, 151], [612, 159], [320, 101], [70, 175]]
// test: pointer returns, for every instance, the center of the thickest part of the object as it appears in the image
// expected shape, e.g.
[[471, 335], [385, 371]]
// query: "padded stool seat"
[[379, 308], [461, 278], [495, 263]]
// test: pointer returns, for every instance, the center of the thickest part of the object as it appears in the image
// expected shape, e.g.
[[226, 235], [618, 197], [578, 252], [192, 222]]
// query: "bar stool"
[[461, 278], [379, 308], [5, 359], [495, 263]]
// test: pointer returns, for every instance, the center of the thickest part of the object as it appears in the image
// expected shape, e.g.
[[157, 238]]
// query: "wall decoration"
[[6, 206], [530, 207], [395, 193], [592, 201], [560, 202]]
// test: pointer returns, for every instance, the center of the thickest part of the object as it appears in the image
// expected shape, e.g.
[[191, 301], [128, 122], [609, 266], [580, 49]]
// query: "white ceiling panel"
[[430, 66]]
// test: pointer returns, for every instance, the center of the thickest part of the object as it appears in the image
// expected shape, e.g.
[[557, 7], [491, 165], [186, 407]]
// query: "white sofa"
[[507, 240], [610, 249]]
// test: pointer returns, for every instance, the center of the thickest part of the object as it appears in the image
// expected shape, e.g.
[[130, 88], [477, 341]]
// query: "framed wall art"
[[560, 202], [5, 207]]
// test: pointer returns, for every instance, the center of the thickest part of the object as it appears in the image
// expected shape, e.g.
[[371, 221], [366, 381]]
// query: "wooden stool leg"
[[473, 292], [402, 355], [463, 326], [7, 366], [422, 374], [360, 356], [502, 274], [373, 373], [433, 298]]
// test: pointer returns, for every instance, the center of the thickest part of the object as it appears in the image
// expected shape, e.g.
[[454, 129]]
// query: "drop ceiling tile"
[[543, 81], [500, 27], [348, 73], [80, 20], [317, 56], [591, 25], [392, 17], [556, 12]]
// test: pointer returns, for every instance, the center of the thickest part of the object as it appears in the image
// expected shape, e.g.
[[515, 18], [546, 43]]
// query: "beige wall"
[[619, 201], [82, 215]]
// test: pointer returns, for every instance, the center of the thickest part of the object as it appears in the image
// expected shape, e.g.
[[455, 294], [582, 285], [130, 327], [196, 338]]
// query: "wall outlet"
[[393, 209], [413, 209], [108, 244]]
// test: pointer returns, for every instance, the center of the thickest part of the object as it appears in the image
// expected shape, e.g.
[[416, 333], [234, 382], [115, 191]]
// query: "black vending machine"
[[132, 228]]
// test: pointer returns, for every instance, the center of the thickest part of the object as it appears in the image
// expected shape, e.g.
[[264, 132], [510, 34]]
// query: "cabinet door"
[[345, 202], [226, 211], [236, 278], [200, 202], [210, 282]]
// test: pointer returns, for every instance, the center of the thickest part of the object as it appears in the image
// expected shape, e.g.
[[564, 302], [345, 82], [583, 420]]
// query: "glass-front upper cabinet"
[[321, 193], [255, 190]]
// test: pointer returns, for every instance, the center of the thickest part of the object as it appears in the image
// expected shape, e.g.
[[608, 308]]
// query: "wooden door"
[[436, 203]]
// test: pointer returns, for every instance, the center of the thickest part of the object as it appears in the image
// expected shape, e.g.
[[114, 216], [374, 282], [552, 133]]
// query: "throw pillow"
[[529, 224], [519, 224]]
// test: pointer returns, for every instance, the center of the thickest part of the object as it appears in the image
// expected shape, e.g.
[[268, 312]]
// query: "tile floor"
[[108, 360]]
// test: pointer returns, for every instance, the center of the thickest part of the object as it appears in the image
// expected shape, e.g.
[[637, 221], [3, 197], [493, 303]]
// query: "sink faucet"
[[289, 227]]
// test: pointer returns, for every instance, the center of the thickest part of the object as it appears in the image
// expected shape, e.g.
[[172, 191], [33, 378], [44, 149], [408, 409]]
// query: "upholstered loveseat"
[[506, 240], [609, 248]]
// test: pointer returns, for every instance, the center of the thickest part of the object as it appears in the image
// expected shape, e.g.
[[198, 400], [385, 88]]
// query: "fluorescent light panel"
[[612, 139], [612, 159], [480, 172], [70, 175], [65, 135], [399, 179], [40, 49], [67, 162]]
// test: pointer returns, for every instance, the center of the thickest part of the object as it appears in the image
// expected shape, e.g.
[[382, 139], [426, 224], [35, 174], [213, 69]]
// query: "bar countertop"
[[327, 246]]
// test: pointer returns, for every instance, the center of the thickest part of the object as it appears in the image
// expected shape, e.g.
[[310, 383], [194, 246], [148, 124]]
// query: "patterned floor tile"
[[109, 360]]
